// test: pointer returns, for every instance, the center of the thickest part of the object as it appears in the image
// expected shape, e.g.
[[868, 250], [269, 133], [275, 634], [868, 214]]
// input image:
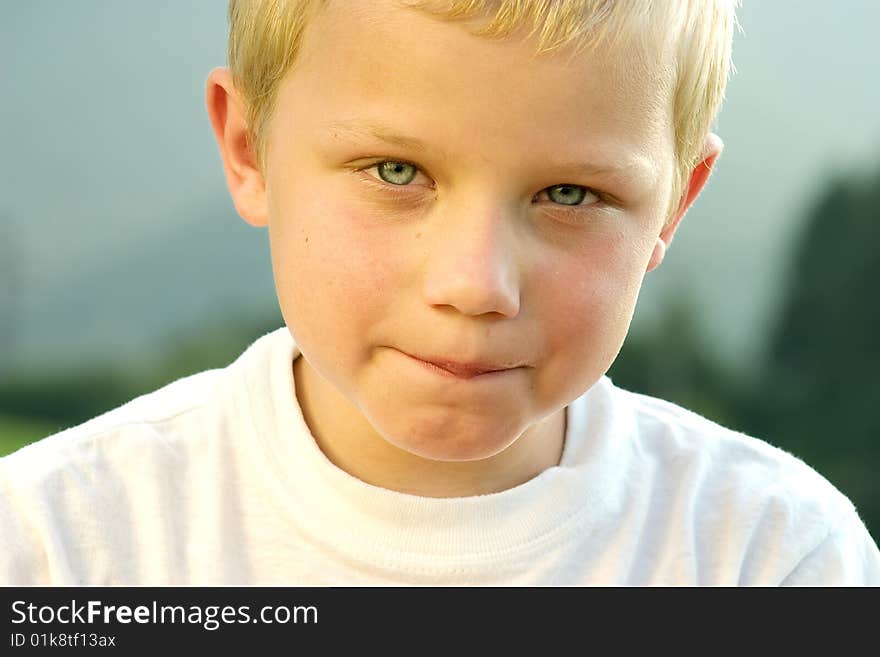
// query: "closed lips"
[[463, 369]]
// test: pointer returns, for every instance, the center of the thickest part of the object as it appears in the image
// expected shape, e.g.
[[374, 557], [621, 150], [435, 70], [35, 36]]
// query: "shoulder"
[[161, 421], [751, 466], [78, 500], [61, 496], [741, 496], [90, 490], [145, 418]]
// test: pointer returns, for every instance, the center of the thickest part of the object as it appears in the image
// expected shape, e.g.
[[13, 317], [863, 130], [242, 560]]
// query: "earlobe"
[[229, 123], [657, 255]]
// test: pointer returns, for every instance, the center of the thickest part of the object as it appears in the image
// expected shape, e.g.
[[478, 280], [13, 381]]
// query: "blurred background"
[[124, 266]]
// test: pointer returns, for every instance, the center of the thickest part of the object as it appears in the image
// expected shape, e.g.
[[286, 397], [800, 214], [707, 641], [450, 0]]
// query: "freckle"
[[418, 235], [307, 240]]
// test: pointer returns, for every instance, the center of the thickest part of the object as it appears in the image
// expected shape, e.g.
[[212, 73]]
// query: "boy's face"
[[465, 246]]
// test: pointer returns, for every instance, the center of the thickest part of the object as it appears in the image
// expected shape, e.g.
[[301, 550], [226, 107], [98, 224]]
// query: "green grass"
[[16, 432]]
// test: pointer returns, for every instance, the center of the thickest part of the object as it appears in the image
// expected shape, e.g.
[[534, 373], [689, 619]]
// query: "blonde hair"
[[265, 38]]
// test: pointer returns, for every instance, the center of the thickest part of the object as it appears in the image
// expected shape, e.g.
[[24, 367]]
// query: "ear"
[[699, 176], [228, 120]]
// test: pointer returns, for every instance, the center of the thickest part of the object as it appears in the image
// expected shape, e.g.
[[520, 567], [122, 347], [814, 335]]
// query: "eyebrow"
[[640, 166], [375, 130]]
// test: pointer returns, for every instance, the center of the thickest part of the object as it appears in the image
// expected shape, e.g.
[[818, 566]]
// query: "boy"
[[462, 200]]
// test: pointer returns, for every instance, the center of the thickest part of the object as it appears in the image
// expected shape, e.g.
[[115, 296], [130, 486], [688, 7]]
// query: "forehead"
[[382, 63]]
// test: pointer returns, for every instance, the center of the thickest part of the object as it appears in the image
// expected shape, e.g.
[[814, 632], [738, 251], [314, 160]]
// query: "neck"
[[348, 440]]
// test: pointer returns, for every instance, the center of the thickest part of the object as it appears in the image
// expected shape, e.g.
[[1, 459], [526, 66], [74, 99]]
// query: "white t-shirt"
[[216, 479]]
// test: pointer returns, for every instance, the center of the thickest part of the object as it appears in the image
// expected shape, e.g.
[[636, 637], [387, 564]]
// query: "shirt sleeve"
[[848, 556]]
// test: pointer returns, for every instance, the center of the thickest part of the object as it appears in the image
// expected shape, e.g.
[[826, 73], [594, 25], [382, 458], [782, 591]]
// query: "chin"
[[474, 443], [453, 455]]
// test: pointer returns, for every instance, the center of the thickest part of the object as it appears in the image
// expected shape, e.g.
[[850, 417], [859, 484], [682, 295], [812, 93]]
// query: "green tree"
[[822, 368]]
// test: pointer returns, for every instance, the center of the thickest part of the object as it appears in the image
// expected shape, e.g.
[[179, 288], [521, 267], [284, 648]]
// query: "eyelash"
[[400, 189]]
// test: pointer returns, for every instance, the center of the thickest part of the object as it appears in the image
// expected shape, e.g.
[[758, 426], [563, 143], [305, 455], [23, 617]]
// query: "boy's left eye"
[[569, 195]]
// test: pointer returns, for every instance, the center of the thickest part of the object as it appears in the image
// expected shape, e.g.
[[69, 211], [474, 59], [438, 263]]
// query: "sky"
[[116, 228]]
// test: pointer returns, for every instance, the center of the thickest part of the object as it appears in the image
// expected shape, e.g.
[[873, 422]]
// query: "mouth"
[[460, 370]]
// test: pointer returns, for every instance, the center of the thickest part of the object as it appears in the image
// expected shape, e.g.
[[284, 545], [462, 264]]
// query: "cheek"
[[588, 298], [329, 262], [594, 282]]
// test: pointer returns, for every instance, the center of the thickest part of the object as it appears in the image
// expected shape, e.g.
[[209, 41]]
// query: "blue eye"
[[396, 173], [567, 194]]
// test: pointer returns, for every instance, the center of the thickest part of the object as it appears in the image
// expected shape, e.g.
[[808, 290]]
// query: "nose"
[[472, 264]]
